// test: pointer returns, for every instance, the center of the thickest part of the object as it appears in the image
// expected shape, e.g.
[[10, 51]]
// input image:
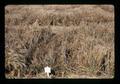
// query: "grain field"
[[77, 41]]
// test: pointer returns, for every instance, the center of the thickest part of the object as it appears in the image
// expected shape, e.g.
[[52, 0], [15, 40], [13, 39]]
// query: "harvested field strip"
[[65, 18]]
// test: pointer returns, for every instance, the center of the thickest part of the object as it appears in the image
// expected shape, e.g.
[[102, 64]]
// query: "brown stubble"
[[78, 39]]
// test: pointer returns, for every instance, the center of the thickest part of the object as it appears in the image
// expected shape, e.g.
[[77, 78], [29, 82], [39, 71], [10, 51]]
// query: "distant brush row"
[[56, 18]]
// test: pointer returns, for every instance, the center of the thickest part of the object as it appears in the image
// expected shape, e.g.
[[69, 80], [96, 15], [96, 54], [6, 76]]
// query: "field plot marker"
[[48, 71]]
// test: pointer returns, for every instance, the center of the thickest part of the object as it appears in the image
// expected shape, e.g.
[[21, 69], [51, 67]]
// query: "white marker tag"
[[47, 69]]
